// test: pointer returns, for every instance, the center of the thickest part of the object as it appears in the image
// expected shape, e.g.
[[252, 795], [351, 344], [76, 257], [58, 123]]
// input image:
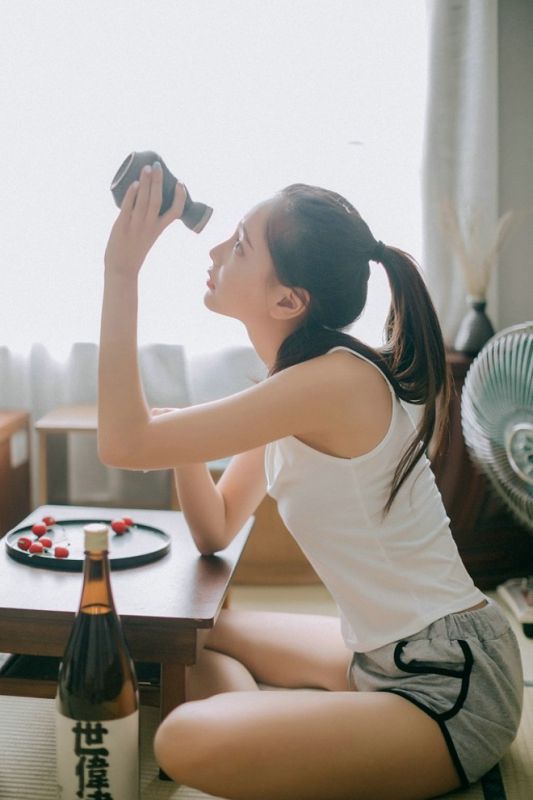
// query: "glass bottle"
[[97, 701]]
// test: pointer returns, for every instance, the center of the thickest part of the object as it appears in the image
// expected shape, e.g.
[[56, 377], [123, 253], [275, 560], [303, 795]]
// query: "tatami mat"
[[27, 754], [27, 757]]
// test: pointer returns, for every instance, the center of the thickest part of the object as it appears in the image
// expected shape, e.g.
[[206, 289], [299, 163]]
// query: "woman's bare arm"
[[215, 513], [297, 401]]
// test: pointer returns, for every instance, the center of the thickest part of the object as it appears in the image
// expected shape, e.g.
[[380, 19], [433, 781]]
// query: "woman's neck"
[[267, 341]]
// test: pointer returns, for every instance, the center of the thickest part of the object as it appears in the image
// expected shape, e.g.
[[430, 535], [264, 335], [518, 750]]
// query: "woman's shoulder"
[[340, 377], [343, 368], [357, 392]]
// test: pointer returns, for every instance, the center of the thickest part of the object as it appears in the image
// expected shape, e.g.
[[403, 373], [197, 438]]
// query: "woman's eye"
[[238, 245]]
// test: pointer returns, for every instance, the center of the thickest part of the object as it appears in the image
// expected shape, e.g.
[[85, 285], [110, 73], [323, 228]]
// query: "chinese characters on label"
[[92, 765], [98, 759]]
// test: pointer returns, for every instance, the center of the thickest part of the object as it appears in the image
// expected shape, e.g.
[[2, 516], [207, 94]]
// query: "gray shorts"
[[465, 671]]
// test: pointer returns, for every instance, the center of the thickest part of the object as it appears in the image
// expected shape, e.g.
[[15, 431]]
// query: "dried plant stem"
[[475, 260]]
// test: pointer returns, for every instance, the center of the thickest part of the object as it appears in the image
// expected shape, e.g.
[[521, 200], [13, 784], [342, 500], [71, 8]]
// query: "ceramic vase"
[[475, 329]]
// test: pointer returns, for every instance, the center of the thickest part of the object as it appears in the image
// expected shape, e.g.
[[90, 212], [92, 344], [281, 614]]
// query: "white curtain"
[[461, 143], [39, 382]]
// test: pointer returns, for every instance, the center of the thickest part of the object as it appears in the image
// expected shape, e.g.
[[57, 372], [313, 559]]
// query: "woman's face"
[[242, 275]]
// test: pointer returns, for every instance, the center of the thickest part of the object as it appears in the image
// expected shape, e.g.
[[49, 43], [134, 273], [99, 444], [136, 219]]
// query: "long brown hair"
[[319, 242]]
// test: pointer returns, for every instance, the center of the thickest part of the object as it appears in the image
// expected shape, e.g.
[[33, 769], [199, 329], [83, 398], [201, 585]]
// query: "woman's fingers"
[[139, 225], [156, 191], [143, 195], [149, 196], [128, 201]]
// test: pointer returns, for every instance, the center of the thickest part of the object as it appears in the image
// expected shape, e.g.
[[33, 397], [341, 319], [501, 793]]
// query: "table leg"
[[172, 687], [172, 692]]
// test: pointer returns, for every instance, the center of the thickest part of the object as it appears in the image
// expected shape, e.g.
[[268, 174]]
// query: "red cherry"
[[61, 552], [49, 521], [39, 529], [36, 547], [24, 543], [118, 525], [128, 521], [45, 541]]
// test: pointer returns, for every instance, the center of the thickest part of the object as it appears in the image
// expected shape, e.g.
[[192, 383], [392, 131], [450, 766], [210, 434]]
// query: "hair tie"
[[378, 252]]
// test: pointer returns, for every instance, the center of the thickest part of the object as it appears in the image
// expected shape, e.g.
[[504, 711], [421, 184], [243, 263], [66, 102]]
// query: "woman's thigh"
[[306, 745], [286, 650]]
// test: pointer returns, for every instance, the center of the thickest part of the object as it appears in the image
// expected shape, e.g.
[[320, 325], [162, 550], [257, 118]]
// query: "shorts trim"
[[463, 674], [492, 784], [465, 783], [421, 669]]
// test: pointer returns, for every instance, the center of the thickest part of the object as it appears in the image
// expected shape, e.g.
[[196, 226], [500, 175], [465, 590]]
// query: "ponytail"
[[415, 354]]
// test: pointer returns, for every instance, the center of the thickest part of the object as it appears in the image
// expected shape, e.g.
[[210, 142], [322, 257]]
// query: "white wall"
[[515, 272]]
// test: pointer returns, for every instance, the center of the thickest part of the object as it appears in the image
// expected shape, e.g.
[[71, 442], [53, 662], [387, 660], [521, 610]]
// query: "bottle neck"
[[96, 595]]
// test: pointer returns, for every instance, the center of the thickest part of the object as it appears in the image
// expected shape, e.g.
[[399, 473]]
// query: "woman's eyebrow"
[[246, 235]]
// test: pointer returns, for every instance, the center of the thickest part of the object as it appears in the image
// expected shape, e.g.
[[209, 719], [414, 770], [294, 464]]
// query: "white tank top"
[[389, 576]]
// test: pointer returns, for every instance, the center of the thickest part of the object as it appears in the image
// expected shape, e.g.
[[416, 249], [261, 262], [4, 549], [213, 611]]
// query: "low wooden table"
[[163, 605]]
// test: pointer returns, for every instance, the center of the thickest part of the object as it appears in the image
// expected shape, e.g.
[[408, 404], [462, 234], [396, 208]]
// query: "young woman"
[[421, 681]]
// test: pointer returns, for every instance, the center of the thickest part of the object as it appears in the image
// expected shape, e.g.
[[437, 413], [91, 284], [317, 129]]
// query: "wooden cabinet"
[[493, 545], [14, 469]]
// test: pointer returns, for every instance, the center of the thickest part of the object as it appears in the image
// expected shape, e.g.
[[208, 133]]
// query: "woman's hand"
[[138, 224]]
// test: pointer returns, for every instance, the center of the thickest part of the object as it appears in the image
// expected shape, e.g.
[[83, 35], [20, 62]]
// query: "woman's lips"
[[210, 282]]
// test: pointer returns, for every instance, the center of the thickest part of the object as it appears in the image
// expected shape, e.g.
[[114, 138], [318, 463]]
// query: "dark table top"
[[183, 586]]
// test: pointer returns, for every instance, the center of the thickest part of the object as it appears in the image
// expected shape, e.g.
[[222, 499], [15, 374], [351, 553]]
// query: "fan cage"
[[497, 417]]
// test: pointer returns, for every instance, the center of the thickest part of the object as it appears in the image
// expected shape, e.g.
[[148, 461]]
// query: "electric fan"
[[497, 421]]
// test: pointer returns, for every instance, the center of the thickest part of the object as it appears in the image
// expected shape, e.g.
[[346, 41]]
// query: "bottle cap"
[[96, 536]]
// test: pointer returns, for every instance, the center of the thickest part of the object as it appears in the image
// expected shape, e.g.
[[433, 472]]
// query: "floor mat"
[[27, 762]]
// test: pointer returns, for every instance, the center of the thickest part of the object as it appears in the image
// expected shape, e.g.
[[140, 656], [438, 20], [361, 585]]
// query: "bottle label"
[[98, 760]]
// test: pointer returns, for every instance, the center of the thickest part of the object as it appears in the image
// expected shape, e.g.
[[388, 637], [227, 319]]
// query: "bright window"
[[240, 97]]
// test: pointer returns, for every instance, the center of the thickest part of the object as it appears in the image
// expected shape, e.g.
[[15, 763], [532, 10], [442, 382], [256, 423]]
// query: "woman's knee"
[[181, 743]]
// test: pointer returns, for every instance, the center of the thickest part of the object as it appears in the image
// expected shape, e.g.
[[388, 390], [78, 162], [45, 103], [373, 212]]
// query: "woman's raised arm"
[[121, 403]]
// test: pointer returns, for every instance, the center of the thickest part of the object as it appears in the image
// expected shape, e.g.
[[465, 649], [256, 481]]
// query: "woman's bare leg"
[[250, 745], [215, 673], [286, 650], [306, 745]]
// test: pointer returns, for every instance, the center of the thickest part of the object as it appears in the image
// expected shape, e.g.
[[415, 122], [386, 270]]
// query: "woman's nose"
[[215, 252]]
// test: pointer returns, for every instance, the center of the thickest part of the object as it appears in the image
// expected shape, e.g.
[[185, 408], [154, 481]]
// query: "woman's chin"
[[211, 303], [208, 299]]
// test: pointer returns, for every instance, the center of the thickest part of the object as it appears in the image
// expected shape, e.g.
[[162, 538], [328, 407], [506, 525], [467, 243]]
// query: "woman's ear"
[[289, 302]]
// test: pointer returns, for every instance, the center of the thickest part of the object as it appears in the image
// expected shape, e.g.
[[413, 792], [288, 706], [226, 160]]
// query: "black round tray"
[[141, 544]]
